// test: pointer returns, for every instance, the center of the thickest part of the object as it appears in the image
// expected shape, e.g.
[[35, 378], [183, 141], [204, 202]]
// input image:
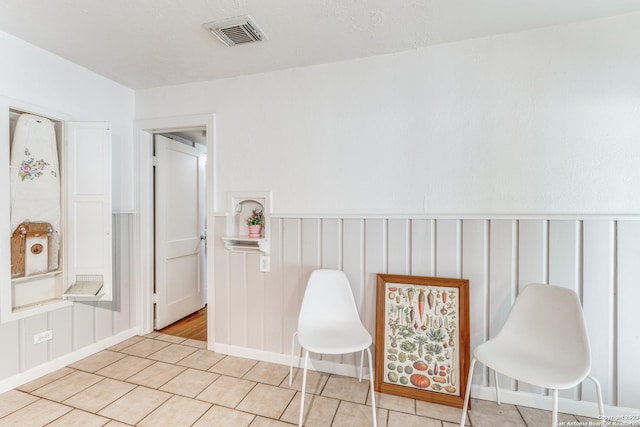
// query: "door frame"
[[143, 276]]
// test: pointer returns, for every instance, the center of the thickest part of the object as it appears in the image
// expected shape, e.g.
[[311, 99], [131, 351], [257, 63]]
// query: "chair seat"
[[543, 369], [339, 340]]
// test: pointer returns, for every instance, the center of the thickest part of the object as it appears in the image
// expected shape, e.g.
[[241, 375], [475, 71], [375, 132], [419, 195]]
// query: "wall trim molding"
[[465, 216], [62, 361]]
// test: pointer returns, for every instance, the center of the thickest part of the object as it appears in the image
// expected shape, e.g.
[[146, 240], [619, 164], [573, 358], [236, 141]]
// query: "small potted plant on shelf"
[[255, 222]]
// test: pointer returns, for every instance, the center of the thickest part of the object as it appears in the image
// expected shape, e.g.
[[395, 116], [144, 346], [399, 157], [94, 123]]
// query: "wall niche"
[[241, 205], [36, 208], [57, 213]]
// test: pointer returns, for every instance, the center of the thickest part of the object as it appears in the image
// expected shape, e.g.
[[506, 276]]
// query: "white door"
[[89, 240], [179, 229]]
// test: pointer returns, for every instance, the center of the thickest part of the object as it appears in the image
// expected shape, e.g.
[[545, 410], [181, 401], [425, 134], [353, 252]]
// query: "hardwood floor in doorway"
[[193, 326]]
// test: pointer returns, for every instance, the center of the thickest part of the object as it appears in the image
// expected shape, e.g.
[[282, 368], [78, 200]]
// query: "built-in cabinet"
[[56, 212]]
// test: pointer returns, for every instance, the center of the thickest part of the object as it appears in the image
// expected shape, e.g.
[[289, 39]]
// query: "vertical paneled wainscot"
[[597, 256]]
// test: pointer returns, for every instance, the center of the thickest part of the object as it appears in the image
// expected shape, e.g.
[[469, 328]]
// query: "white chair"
[[329, 323], [543, 342]]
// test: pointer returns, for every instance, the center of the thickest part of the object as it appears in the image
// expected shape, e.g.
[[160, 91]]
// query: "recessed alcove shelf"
[[240, 205], [60, 225]]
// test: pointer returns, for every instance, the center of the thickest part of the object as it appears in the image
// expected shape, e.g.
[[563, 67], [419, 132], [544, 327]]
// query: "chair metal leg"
[[599, 395], [554, 408], [304, 386], [293, 343], [362, 363], [373, 393], [495, 376], [467, 394]]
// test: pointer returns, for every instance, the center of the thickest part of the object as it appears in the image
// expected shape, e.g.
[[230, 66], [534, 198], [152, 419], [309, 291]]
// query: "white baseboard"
[[59, 363], [568, 406]]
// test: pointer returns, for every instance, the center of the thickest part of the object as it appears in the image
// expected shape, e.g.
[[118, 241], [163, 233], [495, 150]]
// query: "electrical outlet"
[[265, 264], [42, 336]]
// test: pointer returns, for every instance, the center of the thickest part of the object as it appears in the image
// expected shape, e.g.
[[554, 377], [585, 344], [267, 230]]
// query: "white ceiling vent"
[[234, 31]]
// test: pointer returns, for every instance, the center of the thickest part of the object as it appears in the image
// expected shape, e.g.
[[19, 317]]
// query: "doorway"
[[180, 228], [145, 275]]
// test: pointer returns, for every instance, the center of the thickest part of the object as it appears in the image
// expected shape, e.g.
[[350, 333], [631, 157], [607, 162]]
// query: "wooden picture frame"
[[422, 338]]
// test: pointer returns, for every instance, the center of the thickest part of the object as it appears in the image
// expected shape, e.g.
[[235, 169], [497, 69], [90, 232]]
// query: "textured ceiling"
[[149, 43]]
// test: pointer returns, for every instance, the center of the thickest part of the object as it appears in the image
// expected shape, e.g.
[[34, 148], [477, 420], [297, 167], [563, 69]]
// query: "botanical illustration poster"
[[422, 341]]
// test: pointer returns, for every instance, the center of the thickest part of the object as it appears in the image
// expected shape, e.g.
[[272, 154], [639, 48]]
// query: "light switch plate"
[[265, 263], [43, 336]]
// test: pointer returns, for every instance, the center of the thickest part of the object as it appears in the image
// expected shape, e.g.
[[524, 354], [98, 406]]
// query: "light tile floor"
[[162, 380]]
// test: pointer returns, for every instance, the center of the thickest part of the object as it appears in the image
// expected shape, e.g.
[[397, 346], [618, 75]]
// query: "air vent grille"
[[236, 31]]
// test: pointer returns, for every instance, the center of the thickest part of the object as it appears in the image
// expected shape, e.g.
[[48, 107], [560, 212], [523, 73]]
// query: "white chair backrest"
[[327, 299], [548, 319]]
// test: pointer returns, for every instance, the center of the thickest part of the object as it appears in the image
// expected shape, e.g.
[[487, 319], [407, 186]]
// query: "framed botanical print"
[[422, 338]]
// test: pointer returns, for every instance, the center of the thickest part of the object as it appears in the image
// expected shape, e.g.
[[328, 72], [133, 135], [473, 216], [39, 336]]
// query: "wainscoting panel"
[[353, 258], [62, 343], [398, 246], [37, 354], [239, 305], [331, 243], [598, 301], [123, 252], [448, 235], [502, 248], [628, 315], [221, 274], [375, 251], [598, 257], [423, 250], [256, 307], [11, 360], [475, 268], [291, 271], [83, 315], [565, 264], [274, 296], [353, 266]]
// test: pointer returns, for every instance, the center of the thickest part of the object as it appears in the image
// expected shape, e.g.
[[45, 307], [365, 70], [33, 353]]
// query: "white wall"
[[542, 121], [504, 160], [38, 81]]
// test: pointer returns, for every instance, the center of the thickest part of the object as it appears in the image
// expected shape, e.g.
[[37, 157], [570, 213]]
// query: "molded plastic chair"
[[329, 323], [543, 342]]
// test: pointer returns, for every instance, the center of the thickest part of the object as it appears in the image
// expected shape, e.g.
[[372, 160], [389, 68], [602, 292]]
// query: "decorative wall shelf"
[[246, 244]]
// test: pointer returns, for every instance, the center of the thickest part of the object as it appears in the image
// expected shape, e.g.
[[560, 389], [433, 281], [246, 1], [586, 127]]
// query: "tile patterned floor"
[[162, 380]]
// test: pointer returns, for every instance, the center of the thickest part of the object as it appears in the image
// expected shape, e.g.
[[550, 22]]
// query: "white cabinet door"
[[88, 234], [179, 227]]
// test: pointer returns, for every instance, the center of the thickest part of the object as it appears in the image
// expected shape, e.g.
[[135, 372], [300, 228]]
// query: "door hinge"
[[154, 298], [154, 161]]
